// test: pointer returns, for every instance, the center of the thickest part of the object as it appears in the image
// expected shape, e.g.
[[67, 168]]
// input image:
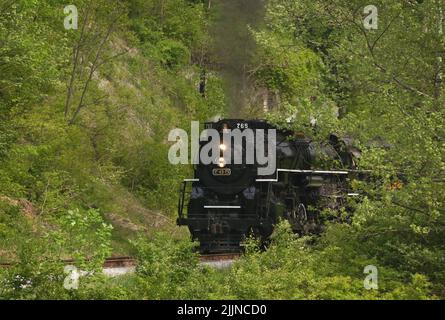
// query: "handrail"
[[181, 199], [311, 172]]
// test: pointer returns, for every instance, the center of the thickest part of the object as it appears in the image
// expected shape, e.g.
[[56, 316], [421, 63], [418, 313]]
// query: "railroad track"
[[219, 257], [122, 262], [115, 262], [128, 262]]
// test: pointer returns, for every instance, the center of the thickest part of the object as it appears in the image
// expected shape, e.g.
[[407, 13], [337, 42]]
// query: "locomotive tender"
[[224, 203]]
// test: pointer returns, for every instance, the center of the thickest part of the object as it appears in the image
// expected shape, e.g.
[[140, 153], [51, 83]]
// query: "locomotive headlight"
[[223, 147], [222, 162]]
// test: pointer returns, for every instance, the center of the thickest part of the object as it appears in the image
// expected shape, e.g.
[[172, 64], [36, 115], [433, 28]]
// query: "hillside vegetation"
[[85, 116]]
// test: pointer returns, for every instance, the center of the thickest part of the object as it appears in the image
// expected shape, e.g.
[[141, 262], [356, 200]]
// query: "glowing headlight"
[[221, 162]]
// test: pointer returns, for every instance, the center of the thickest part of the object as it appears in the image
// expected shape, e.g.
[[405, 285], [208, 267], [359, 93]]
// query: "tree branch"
[[76, 53], [383, 69], [93, 68]]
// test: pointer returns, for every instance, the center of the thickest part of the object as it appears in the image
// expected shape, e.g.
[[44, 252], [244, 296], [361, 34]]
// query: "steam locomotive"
[[224, 203]]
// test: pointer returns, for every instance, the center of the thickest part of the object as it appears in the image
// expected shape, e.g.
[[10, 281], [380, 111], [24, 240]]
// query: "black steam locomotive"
[[224, 203]]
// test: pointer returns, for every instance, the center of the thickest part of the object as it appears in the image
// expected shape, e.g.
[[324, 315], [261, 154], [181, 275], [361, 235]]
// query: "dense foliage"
[[85, 115], [386, 85]]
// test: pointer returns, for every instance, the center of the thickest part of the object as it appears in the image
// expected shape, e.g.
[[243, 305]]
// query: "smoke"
[[234, 46]]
